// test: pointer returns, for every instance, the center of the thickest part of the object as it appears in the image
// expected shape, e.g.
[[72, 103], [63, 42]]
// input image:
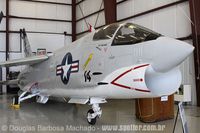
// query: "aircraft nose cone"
[[183, 50], [171, 53]]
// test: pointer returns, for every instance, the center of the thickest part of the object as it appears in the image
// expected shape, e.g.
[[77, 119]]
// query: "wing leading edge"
[[9, 82], [24, 61]]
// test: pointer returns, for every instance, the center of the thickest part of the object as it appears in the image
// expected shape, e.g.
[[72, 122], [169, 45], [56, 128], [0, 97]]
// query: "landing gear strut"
[[18, 99], [15, 103], [93, 114]]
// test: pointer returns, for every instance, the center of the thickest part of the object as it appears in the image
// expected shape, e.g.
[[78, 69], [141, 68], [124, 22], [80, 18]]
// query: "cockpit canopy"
[[126, 34], [106, 32]]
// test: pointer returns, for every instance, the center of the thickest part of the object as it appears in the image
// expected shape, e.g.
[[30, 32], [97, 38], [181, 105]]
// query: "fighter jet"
[[118, 61]]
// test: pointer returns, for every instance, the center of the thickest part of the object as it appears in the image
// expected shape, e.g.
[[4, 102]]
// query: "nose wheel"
[[90, 119], [93, 114]]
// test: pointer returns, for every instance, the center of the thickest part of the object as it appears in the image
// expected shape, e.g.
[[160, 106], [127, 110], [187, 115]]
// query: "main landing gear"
[[96, 111], [32, 91], [18, 99], [27, 95]]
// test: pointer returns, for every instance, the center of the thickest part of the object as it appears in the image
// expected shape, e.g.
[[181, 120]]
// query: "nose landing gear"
[[96, 111], [91, 118], [93, 114]]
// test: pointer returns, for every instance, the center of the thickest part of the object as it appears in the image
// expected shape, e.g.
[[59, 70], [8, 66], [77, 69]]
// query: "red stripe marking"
[[138, 80], [74, 66], [142, 90], [127, 87], [113, 82], [140, 66]]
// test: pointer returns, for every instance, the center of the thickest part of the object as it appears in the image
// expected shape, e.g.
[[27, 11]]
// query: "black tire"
[[93, 121]]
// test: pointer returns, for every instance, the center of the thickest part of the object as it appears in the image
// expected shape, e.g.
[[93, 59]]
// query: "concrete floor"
[[62, 117]]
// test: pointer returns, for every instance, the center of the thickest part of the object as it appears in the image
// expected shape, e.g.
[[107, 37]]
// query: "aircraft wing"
[[24, 61], [78, 100], [9, 82]]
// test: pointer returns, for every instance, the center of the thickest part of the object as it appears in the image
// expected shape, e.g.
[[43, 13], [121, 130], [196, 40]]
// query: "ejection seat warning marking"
[[87, 61], [138, 80]]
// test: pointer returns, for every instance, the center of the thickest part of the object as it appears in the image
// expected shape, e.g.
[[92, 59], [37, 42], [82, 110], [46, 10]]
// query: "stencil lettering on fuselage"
[[67, 67]]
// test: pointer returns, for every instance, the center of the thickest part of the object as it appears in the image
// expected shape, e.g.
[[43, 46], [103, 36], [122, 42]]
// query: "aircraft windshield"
[[130, 34], [106, 32]]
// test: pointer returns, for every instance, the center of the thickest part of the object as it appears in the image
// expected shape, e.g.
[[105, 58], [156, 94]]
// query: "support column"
[[7, 33], [195, 16], [7, 29], [73, 20], [110, 9]]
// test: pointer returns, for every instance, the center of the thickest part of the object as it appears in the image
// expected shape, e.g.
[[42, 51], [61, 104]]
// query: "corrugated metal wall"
[[35, 10]]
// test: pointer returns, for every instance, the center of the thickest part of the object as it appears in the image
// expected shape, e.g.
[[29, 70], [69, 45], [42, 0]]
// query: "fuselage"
[[92, 67]]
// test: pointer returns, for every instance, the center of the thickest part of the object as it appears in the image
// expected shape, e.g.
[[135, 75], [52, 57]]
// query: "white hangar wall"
[[3, 28], [172, 21], [37, 10], [85, 8], [3, 39], [40, 10]]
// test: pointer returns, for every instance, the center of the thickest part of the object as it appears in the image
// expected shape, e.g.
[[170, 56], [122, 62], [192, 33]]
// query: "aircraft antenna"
[[83, 16], [98, 14]]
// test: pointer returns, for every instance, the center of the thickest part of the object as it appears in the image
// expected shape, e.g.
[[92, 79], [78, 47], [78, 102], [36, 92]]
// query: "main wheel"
[[91, 121]]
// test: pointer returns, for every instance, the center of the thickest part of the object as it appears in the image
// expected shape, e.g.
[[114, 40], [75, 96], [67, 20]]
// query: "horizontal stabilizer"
[[78, 100], [9, 82], [24, 61]]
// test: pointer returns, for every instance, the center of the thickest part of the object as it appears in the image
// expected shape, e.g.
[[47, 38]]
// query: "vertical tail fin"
[[27, 47], [1, 16]]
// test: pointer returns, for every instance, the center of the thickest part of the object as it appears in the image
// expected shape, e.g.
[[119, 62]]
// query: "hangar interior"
[[53, 24]]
